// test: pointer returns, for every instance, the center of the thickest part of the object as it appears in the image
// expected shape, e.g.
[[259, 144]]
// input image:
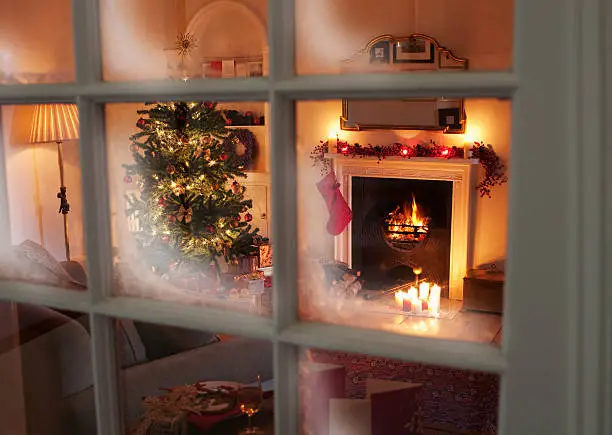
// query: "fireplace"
[[385, 239], [399, 224]]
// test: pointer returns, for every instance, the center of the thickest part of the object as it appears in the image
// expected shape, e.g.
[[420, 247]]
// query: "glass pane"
[[344, 36], [191, 197], [178, 39], [45, 201], [167, 370], [46, 371], [36, 42], [345, 393], [403, 214]]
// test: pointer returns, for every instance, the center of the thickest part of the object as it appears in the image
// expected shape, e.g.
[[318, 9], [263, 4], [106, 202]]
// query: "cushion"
[[161, 340], [32, 263], [130, 350]]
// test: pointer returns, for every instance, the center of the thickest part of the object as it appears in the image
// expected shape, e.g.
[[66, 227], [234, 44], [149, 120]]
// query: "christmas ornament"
[[248, 217], [161, 201], [179, 190], [208, 104], [223, 157], [233, 224], [127, 179], [170, 169], [165, 239], [244, 209], [141, 122], [185, 43], [236, 188], [198, 152], [134, 148], [340, 213], [172, 218], [237, 218], [210, 229]]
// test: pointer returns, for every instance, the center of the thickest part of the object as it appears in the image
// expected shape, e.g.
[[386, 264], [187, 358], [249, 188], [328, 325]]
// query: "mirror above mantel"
[[407, 54]]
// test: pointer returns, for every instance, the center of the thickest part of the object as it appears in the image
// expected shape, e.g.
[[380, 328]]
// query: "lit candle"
[[399, 299], [417, 306], [434, 299], [332, 142], [407, 305], [423, 290], [412, 293]]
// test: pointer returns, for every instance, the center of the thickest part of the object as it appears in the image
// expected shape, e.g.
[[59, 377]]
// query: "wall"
[[330, 31]]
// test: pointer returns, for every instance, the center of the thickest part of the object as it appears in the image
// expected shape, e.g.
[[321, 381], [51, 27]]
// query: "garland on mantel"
[[495, 169]]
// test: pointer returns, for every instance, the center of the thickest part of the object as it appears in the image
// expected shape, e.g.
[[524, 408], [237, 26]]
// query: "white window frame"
[[556, 357]]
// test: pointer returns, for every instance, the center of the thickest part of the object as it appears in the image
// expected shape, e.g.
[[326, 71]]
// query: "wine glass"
[[250, 400]]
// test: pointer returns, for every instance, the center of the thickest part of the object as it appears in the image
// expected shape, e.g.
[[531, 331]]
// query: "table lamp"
[[57, 123]]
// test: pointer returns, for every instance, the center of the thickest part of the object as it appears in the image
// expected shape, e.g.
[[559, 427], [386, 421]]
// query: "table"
[[264, 420]]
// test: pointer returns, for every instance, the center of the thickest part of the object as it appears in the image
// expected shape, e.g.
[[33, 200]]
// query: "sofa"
[[56, 361]]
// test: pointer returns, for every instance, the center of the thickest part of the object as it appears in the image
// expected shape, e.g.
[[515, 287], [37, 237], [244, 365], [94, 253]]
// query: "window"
[[554, 355]]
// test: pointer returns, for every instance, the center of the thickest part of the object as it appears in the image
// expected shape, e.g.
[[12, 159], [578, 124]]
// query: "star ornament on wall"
[[185, 43]]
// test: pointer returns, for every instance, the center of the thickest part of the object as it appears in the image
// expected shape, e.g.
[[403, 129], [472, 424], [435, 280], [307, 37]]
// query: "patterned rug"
[[460, 400]]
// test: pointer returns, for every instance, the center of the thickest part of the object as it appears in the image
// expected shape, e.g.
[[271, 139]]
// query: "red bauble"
[[248, 217], [223, 157], [166, 239], [208, 104], [228, 121], [404, 151], [141, 122], [210, 229], [127, 179], [161, 202], [170, 169], [256, 121], [237, 218]]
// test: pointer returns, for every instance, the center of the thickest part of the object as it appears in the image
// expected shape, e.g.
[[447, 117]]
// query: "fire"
[[406, 223]]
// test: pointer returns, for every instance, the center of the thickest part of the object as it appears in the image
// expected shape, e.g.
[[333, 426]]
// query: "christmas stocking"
[[340, 213]]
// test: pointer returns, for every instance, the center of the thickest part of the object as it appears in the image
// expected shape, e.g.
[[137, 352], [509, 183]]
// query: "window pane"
[[190, 185], [36, 42], [177, 39], [208, 373], [344, 36], [45, 200], [345, 393], [46, 371], [398, 230]]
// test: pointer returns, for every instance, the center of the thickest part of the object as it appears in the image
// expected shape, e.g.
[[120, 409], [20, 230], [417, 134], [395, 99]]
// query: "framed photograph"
[[228, 69], [242, 69], [379, 53], [255, 69], [413, 50], [450, 118]]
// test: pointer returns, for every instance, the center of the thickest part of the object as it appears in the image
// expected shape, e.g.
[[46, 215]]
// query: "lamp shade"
[[55, 122]]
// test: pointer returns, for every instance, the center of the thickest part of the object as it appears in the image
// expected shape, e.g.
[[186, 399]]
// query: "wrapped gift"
[[265, 255]]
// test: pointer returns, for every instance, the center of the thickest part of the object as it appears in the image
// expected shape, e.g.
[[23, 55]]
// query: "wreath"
[[248, 140]]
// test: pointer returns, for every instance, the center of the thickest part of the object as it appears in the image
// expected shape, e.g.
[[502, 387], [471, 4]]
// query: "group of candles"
[[425, 299]]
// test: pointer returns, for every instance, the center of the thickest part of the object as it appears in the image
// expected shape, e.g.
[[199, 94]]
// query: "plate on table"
[[220, 397]]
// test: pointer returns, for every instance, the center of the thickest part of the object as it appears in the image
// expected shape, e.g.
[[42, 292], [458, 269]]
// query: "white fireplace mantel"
[[462, 173]]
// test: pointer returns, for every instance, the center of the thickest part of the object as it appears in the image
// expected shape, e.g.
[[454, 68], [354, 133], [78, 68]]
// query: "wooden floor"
[[463, 326]]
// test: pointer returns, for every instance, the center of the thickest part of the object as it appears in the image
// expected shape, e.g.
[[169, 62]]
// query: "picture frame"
[[255, 69], [413, 50], [379, 53]]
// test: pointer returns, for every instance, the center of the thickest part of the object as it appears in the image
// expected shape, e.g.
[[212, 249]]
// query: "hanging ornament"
[[198, 152], [134, 148], [206, 140], [179, 189], [244, 209], [223, 157], [165, 239], [248, 217], [209, 104], [141, 122], [170, 169], [237, 218], [128, 179], [185, 43], [233, 224], [236, 188], [171, 218], [210, 229], [161, 202]]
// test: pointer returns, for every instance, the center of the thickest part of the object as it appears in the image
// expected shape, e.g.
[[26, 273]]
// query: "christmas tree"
[[191, 208]]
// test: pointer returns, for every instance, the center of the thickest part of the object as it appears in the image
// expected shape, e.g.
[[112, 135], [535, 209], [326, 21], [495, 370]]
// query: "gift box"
[[265, 255]]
